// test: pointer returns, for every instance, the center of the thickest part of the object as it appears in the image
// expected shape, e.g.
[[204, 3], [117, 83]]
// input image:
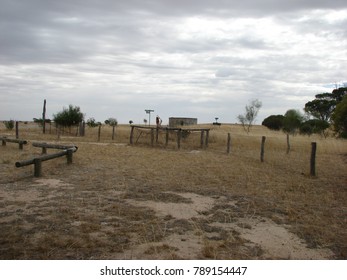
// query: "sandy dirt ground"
[[118, 201]]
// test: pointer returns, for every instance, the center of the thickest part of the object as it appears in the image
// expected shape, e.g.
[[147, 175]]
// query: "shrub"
[[292, 121], [69, 116], [9, 124], [273, 122], [314, 126], [92, 123]]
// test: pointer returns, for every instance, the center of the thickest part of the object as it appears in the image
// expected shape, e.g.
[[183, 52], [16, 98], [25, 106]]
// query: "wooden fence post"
[[69, 156], [99, 133], [179, 133], [207, 137], [228, 143], [131, 135], [262, 149], [152, 137], [313, 159], [167, 137], [37, 167], [202, 139], [288, 144], [17, 130], [113, 131], [44, 117], [81, 129]]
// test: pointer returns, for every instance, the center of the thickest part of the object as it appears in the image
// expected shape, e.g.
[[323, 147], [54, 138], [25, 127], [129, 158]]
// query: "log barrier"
[[20, 142], [46, 146], [38, 160]]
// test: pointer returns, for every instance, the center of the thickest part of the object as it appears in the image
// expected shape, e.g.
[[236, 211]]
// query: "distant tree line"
[[327, 110]]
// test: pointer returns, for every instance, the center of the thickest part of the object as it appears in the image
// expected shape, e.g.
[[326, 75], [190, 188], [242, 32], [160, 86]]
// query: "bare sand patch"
[[51, 183], [276, 240], [179, 210]]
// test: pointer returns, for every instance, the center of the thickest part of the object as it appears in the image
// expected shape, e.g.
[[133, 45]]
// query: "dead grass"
[[90, 212]]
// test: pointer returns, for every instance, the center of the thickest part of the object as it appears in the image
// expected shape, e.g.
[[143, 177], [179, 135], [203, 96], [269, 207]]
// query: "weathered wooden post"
[[207, 137], [3, 142], [113, 131], [99, 133], [37, 167], [167, 137], [44, 150], [202, 139], [179, 134], [228, 143], [288, 144], [17, 130], [81, 129], [157, 135], [84, 128], [44, 117], [58, 131], [262, 149], [313, 159], [152, 137], [69, 156], [132, 135]]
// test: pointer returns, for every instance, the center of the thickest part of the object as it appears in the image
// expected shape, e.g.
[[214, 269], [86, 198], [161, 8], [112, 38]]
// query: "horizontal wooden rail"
[[38, 160], [178, 131], [46, 146], [18, 141]]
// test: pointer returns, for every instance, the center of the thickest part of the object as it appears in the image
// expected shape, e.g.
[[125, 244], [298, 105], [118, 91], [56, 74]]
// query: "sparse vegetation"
[[91, 122], [9, 124], [113, 123], [248, 118], [136, 202], [69, 117], [340, 118]]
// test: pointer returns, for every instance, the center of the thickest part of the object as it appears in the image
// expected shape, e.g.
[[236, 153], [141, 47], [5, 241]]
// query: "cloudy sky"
[[192, 58]]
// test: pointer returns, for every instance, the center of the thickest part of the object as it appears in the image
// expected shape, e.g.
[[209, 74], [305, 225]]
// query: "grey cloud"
[[121, 51]]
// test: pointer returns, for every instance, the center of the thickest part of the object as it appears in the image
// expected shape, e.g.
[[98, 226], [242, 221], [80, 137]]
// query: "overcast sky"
[[191, 58]]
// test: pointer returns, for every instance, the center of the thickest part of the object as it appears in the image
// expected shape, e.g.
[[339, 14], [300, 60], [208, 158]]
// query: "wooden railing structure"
[[20, 142], [37, 161], [204, 138]]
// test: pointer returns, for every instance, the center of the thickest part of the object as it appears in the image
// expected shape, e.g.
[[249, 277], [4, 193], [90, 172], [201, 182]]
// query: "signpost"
[[149, 111]]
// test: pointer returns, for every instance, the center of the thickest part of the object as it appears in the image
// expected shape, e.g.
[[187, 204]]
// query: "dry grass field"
[[121, 201]]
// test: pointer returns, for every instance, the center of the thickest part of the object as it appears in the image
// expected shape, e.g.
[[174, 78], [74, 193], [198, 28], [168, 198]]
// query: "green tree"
[[248, 118], [324, 104], [69, 116], [112, 122], [291, 123], [91, 122], [314, 126], [273, 122], [339, 118]]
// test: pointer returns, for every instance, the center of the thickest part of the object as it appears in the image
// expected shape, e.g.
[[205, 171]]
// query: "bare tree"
[[248, 118]]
